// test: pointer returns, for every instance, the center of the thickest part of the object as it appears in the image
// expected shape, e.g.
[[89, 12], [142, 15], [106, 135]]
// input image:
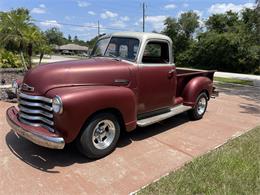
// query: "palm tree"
[[16, 27]]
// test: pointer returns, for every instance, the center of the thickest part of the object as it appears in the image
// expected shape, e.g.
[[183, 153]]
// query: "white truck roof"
[[140, 35]]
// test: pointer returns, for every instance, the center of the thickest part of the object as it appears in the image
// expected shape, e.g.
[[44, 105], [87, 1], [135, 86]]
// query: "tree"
[[91, 43], [229, 44], [181, 31], [69, 39], [223, 22], [14, 26], [54, 36], [75, 40], [189, 22]]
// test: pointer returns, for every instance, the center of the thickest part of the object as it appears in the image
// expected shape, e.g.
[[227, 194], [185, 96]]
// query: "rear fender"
[[79, 103], [194, 87]]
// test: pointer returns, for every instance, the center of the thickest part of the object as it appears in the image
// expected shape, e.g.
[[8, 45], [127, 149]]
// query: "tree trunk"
[[30, 48], [23, 61], [41, 56], [22, 57]]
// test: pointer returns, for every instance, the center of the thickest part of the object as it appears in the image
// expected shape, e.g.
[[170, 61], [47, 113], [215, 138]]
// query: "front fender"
[[194, 87], [79, 103]]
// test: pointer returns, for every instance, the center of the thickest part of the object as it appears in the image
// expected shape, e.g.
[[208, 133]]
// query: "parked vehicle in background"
[[129, 81], [66, 52]]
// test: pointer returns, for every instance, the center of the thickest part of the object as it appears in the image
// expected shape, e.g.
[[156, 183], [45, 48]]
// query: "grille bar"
[[34, 104], [36, 111], [47, 100], [36, 118], [31, 111]]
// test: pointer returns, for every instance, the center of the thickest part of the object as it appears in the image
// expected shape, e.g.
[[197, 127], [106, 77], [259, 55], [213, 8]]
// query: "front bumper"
[[37, 135]]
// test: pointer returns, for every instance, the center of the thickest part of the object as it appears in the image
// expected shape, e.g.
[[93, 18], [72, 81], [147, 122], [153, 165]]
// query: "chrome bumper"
[[214, 93], [38, 137]]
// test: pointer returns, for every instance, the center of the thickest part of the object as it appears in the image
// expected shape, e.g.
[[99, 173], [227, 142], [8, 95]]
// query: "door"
[[156, 78]]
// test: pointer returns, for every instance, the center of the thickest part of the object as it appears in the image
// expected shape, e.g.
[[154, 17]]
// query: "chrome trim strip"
[[31, 111], [37, 125], [25, 116], [39, 139], [25, 103], [30, 97]]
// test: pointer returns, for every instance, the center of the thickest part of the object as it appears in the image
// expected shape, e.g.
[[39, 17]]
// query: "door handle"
[[171, 73]]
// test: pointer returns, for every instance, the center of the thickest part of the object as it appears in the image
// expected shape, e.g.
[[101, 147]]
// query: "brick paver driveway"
[[141, 156]]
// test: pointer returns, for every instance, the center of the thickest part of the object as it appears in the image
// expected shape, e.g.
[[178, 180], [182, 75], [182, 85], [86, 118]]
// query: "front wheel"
[[200, 107], [99, 136]]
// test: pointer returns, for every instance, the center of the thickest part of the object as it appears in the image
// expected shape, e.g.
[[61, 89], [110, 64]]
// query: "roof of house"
[[73, 47]]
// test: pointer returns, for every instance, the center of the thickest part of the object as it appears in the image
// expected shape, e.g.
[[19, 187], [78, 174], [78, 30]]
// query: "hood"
[[94, 71]]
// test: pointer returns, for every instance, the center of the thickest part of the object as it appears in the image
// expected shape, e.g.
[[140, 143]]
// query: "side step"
[[154, 119]]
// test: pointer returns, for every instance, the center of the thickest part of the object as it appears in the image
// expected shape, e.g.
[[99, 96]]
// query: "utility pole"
[[143, 16], [98, 28]]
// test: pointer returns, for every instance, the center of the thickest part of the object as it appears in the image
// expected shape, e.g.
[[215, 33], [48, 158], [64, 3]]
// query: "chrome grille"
[[36, 111]]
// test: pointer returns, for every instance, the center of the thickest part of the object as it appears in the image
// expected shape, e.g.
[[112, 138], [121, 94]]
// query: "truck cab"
[[129, 80]]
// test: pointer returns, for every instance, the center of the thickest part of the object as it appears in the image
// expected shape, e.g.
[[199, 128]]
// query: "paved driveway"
[[140, 158]]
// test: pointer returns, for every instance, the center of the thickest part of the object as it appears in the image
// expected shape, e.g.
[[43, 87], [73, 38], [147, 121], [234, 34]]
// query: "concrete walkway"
[[254, 78], [140, 158], [238, 76]]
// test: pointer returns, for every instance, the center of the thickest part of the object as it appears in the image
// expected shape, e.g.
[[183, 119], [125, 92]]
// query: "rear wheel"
[[99, 136], [200, 107]]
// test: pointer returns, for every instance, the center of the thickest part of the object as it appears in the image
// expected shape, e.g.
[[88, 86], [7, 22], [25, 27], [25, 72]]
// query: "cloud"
[[185, 5], [41, 9], [170, 6], [198, 12], [224, 7], [157, 22], [51, 23], [83, 3], [108, 14], [124, 18], [91, 13]]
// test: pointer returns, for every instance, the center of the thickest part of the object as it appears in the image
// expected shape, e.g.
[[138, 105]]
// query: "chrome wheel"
[[202, 104], [103, 134]]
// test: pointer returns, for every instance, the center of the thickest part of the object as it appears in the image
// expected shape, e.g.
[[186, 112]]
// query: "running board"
[[154, 119]]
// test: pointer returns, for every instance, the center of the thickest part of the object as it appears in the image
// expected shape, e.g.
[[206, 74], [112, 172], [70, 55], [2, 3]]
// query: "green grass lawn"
[[234, 168], [234, 81]]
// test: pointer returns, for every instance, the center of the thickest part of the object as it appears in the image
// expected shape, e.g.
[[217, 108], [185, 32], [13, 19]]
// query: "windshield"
[[117, 47]]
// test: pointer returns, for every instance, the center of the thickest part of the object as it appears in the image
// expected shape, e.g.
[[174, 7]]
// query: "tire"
[[200, 107], [99, 136]]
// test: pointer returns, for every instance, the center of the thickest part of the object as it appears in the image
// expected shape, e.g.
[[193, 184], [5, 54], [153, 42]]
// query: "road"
[[141, 156]]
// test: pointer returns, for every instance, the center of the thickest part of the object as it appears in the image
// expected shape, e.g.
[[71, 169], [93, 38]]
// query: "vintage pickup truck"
[[130, 80]]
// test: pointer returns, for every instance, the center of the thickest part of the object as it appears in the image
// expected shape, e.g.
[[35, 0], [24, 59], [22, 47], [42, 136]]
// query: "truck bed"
[[184, 75]]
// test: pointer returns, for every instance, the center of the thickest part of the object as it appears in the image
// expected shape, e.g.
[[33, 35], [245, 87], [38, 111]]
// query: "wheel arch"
[[195, 87], [111, 110], [81, 103]]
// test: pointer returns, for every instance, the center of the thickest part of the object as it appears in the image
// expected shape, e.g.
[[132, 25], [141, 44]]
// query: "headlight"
[[57, 105], [15, 87]]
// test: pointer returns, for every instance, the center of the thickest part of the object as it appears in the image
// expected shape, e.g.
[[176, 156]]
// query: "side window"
[[156, 53]]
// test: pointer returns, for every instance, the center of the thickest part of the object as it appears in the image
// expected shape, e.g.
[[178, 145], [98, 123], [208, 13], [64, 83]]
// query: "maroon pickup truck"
[[130, 80]]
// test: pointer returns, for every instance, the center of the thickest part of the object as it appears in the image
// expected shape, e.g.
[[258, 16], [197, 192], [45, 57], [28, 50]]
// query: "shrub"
[[9, 59]]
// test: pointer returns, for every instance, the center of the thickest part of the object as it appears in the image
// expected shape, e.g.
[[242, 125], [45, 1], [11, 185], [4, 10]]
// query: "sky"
[[80, 17]]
